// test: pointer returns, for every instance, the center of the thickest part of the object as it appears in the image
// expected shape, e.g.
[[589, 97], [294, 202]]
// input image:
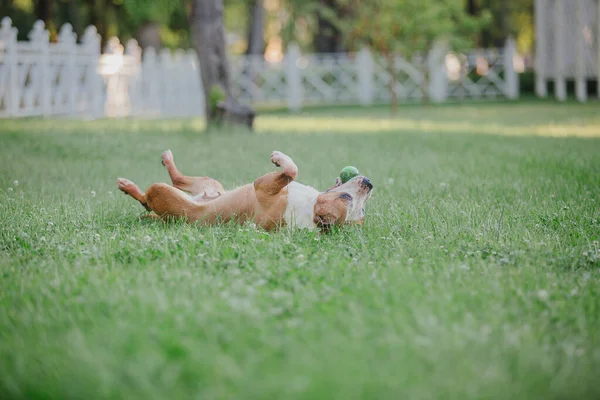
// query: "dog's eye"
[[346, 196]]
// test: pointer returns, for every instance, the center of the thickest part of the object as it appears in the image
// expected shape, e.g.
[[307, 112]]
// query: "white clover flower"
[[15, 183], [10, 189], [93, 193], [543, 295]]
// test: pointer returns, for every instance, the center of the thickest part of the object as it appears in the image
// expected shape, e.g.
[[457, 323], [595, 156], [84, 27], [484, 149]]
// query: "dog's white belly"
[[299, 212]]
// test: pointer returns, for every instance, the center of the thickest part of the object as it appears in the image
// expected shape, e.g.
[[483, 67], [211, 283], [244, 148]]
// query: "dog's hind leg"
[[169, 202], [203, 186], [130, 188]]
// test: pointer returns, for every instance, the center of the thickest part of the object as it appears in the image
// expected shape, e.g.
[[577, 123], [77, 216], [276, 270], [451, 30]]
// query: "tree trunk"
[[208, 35], [97, 17], [328, 38], [256, 45], [148, 35], [44, 11], [256, 25], [486, 36], [472, 7], [505, 15]]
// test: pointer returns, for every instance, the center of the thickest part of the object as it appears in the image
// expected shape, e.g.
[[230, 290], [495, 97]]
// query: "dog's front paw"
[[167, 157], [286, 163], [278, 158]]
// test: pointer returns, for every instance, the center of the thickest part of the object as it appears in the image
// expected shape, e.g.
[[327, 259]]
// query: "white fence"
[[66, 78], [567, 45], [39, 78], [364, 78]]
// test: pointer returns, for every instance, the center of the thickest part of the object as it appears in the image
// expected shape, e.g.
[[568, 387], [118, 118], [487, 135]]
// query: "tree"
[[410, 27], [256, 27], [473, 7], [208, 35], [329, 37], [147, 16], [44, 10]]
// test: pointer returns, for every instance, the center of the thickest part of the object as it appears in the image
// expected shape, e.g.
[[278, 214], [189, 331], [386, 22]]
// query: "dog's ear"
[[338, 182]]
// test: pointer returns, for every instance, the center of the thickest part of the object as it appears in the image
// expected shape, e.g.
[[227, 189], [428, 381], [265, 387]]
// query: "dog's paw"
[[278, 158], [167, 157], [286, 163], [125, 185]]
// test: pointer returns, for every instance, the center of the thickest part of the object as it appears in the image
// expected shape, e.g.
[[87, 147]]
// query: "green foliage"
[[216, 96], [296, 19], [409, 26], [300, 15], [475, 276], [142, 11], [509, 17]]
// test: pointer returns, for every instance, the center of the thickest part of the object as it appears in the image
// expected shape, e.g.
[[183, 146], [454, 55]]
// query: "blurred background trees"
[[256, 26]]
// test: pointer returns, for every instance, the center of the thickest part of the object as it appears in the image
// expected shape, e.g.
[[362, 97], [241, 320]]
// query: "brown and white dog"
[[271, 201]]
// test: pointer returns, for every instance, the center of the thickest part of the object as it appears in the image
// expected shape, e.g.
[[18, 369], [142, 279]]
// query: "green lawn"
[[475, 276]]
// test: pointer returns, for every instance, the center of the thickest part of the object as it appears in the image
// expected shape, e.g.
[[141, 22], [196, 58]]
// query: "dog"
[[272, 201]]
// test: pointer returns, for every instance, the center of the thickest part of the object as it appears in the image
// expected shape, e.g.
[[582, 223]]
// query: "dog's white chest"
[[300, 207]]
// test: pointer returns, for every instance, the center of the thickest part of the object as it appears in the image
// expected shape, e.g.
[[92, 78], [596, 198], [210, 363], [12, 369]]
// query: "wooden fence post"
[[560, 84], [166, 90], [511, 78], [151, 80], [95, 84], [116, 103], [598, 49], [8, 35], [39, 38], [541, 48], [294, 77], [137, 102], [195, 84], [178, 82], [580, 78], [364, 71], [68, 41], [438, 78]]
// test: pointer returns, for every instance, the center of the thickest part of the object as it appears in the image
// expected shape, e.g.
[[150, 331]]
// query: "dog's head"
[[343, 204]]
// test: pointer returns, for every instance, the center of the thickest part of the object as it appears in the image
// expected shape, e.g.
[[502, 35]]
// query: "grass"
[[476, 274]]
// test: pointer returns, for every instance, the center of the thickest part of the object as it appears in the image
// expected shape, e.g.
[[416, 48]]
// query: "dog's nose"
[[367, 182]]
